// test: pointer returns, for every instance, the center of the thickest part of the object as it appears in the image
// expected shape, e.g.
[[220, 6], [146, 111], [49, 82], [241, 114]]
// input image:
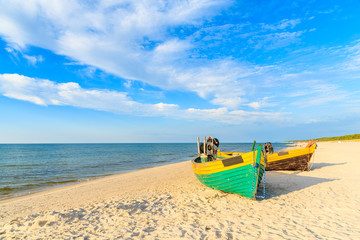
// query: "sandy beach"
[[168, 202]]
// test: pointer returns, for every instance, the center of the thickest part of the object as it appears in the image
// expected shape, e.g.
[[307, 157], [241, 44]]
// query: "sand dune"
[[168, 202]]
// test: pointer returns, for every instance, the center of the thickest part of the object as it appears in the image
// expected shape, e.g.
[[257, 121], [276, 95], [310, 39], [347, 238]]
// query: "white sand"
[[168, 202]]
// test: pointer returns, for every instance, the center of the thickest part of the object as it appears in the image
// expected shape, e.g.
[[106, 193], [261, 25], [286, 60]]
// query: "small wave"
[[6, 189], [161, 161], [20, 165], [62, 182]]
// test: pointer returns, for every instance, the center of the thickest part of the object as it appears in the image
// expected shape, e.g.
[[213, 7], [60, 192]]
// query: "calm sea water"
[[27, 168]]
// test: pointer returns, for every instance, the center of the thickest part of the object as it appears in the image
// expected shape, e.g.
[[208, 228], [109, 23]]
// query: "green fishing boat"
[[240, 174]]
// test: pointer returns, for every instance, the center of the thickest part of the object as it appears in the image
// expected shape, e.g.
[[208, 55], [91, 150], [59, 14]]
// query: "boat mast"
[[205, 150], [198, 146]]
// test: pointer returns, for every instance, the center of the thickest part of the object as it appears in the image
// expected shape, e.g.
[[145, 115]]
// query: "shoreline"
[[66, 184], [168, 202], [72, 187], [45, 186]]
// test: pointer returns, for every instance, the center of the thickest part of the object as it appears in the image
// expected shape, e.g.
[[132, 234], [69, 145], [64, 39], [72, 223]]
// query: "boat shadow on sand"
[[321, 165], [279, 183]]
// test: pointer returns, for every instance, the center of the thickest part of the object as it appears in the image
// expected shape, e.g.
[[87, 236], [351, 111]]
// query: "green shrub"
[[339, 138]]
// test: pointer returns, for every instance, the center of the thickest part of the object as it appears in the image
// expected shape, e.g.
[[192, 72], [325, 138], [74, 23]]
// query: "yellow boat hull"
[[298, 159]]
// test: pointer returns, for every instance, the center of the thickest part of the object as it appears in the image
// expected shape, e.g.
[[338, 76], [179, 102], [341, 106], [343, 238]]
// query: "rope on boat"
[[256, 172], [263, 196], [254, 175]]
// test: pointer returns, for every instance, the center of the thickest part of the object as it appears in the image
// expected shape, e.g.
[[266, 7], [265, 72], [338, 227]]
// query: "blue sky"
[[170, 71]]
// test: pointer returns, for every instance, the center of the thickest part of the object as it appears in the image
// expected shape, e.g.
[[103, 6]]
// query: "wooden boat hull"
[[298, 159], [238, 174]]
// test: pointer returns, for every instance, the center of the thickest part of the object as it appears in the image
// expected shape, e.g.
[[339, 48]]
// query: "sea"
[[29, 168]]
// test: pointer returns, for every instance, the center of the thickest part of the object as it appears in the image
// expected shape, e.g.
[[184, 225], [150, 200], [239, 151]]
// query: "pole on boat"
[[212, 147], [205, 150], [253, 146], [198, 146], [203, 155]]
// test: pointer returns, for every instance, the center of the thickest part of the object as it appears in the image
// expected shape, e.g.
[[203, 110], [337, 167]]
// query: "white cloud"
[[33, 60], [132, 39], [170, 50], [15, 51], [255, 105], [310, 121], [262, 103], [230, 102], [285, 23], [107, 34], [312, 87], [352, 62], [275, 40], [45, 92], [129, 39]]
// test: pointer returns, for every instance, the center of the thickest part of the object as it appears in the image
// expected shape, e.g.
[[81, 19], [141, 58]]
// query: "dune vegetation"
[[339, 138]]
